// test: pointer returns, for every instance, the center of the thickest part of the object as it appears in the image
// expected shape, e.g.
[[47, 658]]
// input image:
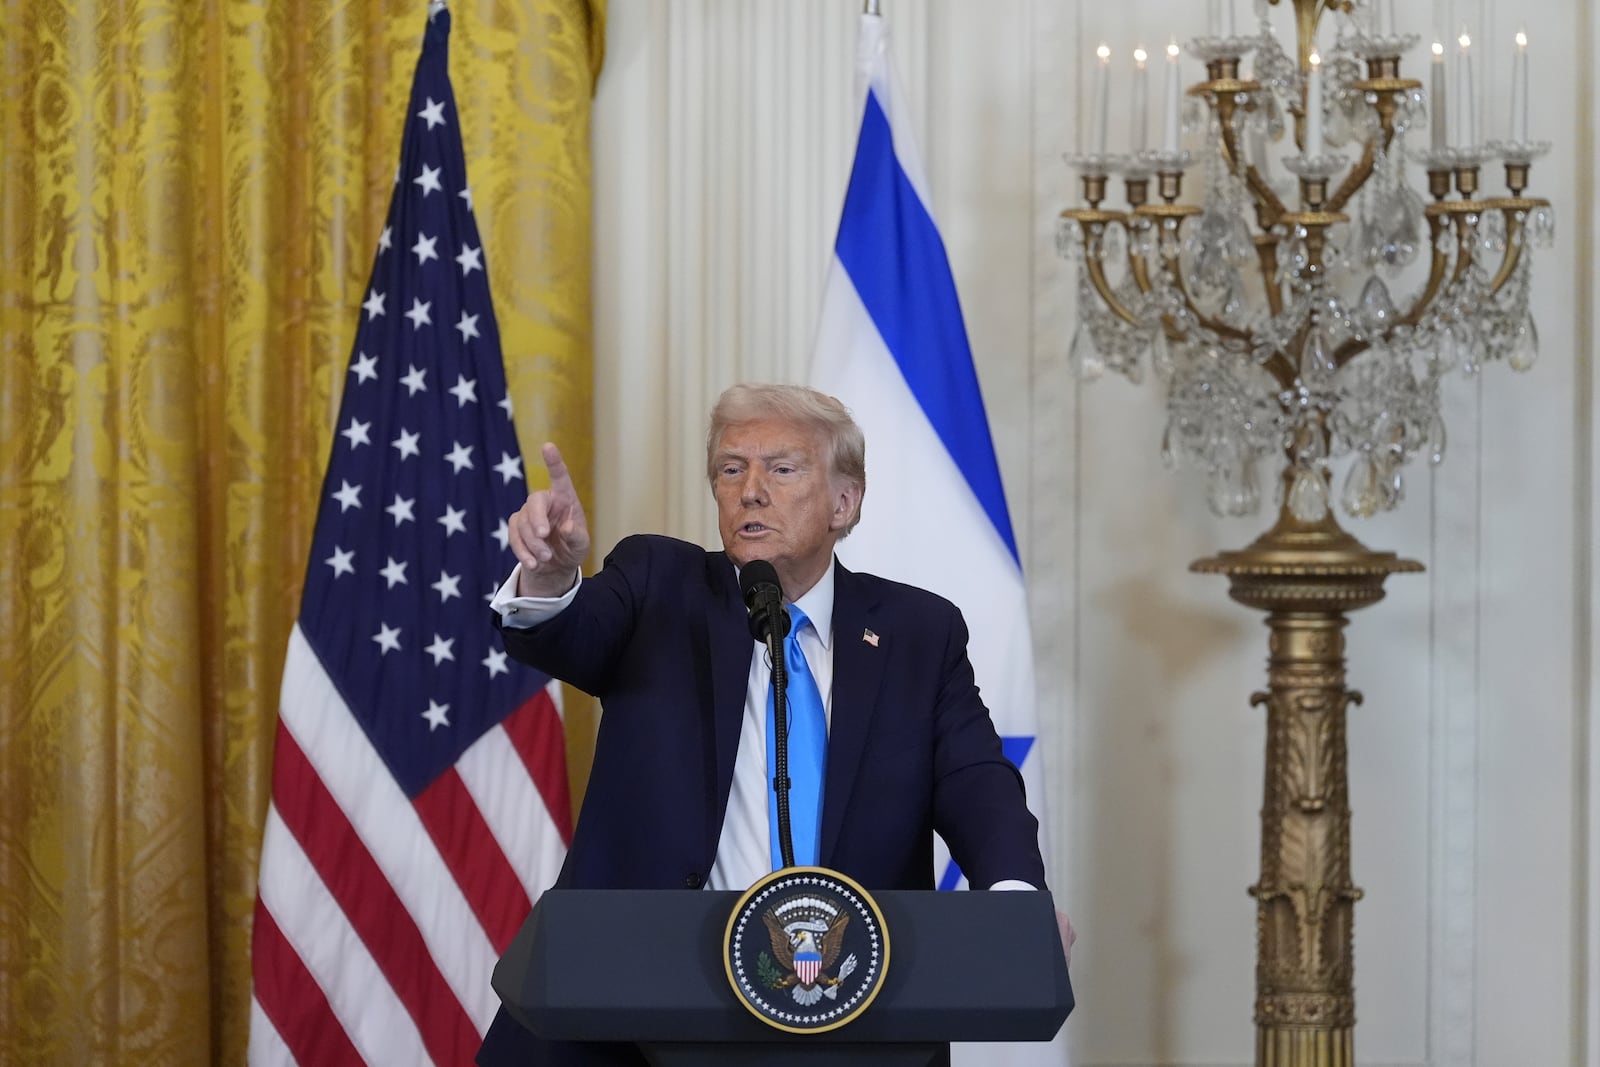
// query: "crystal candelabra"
[[1306, 336], [1285, 340]]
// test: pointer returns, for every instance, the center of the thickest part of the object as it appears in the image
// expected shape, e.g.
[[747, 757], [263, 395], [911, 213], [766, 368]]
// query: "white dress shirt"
[[744, 851]]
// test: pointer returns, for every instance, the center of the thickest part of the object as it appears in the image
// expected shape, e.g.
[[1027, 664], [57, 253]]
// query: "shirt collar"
[[817, 602]]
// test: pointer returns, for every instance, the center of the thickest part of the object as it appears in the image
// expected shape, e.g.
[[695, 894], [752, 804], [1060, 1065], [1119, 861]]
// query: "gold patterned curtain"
[[190, 195]]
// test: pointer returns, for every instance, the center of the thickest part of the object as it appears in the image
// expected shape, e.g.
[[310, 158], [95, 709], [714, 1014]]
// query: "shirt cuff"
[[1012, 883], [521, 612]]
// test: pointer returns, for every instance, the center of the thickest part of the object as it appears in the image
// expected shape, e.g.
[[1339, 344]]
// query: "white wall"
[[723, 135]]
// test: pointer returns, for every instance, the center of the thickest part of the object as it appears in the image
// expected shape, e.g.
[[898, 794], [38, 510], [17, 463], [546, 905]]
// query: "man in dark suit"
[[678, 794]]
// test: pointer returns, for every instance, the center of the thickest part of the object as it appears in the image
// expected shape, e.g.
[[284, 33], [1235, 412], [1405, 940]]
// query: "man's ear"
[[846, 505]]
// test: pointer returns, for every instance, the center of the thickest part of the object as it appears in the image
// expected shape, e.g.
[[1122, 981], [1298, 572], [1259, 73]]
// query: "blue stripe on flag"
[[890, 247], [951, 877]]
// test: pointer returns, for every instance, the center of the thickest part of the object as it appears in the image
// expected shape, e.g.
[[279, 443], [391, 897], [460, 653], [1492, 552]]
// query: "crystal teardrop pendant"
[[1308, 496], [1161, 354], [1391, 486], [1082, 357], [1525, 350], [1234, 490], [1316, 362], [1249, 498], [1447, 349], [1360, 496], [1377, 306]]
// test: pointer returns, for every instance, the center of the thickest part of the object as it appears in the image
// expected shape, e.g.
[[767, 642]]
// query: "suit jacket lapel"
[[728, 653], [857, 673]]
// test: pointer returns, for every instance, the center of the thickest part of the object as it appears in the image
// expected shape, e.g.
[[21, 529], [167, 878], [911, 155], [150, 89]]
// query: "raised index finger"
[[559, 478]]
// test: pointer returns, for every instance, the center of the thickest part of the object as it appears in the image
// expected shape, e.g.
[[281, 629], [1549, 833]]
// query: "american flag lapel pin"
[[870, 638]]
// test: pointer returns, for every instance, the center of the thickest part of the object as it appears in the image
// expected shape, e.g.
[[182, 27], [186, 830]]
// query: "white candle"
[[1227, 18], [1314, 107], [1383, 17], [1140, 104], [1102, 98], [1436, 105], [1466, 124], [1170, 134], [1213, 18], [1519, 90]]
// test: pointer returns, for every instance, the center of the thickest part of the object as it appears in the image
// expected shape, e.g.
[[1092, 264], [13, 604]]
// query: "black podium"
[[647, 967]]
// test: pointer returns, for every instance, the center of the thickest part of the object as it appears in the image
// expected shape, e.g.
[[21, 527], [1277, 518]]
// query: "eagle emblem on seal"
[[807, 934]]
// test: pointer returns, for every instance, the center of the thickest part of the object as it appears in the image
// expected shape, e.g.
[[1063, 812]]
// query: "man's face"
[[777, 500]]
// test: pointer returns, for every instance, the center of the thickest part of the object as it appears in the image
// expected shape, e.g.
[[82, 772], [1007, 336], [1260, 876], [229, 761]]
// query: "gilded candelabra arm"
[[1513, 254], [1097, 278], [1087, 218], [1388, 91], [1216, 326], [1354, 180], [1348, 351], [1282, 370], [1515, 210], [1269, 209], [1267, 257], [1141, 278], [1437, 221]]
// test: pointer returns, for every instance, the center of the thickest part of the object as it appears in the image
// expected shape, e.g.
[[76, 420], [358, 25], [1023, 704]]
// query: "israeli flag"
[[892, 346]]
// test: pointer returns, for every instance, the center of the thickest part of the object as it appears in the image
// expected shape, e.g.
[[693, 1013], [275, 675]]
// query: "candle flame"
[[1172, 50], [1140, 55], [1104, 52], [1522, 39], [1465, 41], [1316, 59], [1438, 48]]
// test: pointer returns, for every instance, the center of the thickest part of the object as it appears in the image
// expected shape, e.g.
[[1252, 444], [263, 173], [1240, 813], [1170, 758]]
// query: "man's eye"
[[783, 469]]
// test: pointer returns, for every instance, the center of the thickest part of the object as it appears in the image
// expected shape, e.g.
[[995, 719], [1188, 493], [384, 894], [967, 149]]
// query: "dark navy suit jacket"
[[661, 636]]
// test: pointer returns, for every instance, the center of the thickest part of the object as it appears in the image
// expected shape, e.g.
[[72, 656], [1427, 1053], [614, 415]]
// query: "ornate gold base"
[[1324, 1048], [1305, 576]]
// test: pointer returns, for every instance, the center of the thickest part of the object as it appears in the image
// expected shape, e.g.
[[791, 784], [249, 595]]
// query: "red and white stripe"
[[379, 919]]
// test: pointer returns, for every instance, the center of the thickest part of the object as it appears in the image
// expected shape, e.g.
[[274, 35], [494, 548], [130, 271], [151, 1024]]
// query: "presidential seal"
[[806, 950]]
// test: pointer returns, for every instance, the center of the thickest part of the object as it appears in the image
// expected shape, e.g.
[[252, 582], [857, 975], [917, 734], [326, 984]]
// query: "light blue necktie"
[[808, 752]]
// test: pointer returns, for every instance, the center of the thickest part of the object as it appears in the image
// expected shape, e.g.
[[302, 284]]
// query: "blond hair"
[[754, 402]]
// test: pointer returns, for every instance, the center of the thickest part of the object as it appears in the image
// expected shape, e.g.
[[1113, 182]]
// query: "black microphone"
[[763, 596], [769, 624]]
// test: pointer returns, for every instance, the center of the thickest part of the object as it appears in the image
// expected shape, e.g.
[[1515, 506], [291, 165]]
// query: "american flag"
[[419, 792]]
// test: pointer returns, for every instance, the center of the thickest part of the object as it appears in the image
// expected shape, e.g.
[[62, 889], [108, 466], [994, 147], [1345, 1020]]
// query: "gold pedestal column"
[[1306, 576]]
